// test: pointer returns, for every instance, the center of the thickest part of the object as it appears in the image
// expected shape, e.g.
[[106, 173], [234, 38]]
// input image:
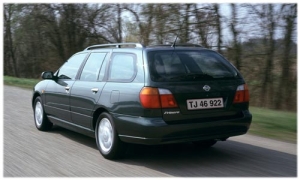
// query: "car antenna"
[[174, 43]]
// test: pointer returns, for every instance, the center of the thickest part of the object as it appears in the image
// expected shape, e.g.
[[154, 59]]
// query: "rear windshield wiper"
[[193, 76]]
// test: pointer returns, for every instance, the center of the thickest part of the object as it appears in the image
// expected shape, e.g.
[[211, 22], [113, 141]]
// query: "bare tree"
[[204, 24], [10, 60], [235, 33], [186, 23], [287, 83], [160, 23], [267, 22], [144, 26], [216, 8]]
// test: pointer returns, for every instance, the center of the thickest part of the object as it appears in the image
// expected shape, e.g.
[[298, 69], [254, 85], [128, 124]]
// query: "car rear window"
[[188, 65]]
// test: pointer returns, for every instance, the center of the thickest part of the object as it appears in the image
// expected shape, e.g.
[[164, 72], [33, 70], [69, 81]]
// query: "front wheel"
[[40, 119], [108, 142]]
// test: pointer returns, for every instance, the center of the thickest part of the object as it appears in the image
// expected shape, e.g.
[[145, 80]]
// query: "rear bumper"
[[152, 131]]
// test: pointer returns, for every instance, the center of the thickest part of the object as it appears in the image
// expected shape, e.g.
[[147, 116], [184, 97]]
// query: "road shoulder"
[[281, 146]]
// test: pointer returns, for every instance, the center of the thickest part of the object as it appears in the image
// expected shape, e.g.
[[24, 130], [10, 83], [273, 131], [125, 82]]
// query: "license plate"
[[193, 104]]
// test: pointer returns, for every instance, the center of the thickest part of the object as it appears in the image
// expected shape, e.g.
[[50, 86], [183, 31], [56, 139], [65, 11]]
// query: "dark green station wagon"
[[129, 93]]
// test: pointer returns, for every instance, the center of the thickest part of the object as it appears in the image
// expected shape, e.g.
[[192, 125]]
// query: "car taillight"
[[242, 94], [157, 98], [167, 99], [149, 97]]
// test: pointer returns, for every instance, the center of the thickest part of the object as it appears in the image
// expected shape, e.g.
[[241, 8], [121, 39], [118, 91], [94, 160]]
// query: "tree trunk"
[[218, 26], [285, 86], [8, 37], [235, 33], [267, 85], [120, 39], [186, 24]]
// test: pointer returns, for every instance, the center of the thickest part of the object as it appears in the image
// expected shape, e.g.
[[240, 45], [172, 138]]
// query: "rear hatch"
[[202, 83]]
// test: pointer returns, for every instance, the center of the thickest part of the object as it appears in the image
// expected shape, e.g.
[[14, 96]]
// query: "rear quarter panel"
[[123, 97]]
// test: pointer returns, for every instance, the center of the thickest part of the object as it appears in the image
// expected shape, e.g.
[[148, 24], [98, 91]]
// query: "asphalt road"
[[63, 153]]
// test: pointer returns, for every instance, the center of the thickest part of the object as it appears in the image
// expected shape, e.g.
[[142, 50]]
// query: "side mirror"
[[47, 75]]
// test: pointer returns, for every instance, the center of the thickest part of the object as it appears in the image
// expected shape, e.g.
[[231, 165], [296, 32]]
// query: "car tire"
[[108, 142], [204, 144], [41, 121]]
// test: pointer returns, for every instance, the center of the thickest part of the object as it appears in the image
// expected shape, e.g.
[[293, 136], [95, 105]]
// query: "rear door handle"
[[95, 90], [67, 88]]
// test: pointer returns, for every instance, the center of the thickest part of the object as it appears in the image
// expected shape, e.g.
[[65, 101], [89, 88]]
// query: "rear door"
[[202, 82], [88, 88]]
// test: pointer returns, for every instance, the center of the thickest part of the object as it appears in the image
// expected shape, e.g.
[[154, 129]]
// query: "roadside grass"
[[280, 125], [20, 82]]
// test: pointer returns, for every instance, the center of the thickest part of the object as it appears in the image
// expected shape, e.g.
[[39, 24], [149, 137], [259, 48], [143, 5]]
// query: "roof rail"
[[177, 45], [114, 45]]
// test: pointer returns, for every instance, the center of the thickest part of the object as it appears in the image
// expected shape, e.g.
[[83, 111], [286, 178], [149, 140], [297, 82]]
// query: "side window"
[[71, 67], [92, 66], [122, 67], [102, 71]]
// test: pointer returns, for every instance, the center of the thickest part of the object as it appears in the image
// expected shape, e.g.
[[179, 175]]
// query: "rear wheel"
[[205, 144], [40, 119], [108, 142]]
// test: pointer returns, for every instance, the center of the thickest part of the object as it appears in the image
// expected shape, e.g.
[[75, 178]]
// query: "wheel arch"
[[97, 114], [35, 95]]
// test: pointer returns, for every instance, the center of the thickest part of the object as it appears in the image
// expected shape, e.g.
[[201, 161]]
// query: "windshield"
[[188, 66]]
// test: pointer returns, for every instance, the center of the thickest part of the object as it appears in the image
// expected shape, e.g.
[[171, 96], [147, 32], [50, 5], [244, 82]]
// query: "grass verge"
[[268, 123], [274, 124], [20, 82]]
